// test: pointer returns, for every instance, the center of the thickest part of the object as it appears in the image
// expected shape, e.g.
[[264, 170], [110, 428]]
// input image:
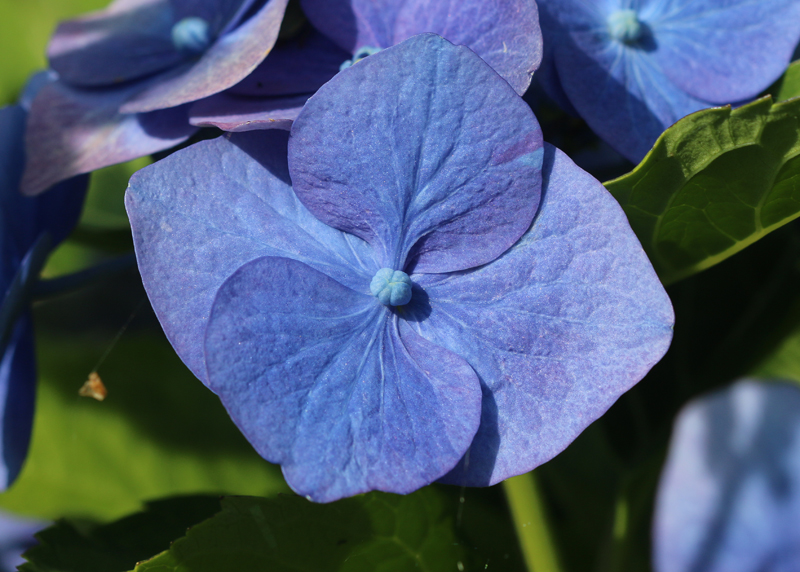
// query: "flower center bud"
[[624, 26], [191, 35], [359, 55], [391, 287]]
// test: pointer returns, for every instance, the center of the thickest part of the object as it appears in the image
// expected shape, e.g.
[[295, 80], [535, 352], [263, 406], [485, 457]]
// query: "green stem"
[[530, 521]]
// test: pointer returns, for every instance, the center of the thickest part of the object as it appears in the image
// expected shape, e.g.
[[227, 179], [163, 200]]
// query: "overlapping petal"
[[71, 132], [28, 228], [505, 34], [330, 384], [297, 66], [203, 212], [728, 497], [229, 60], [557, 328], [236, 113], [447, 157], [126, 41]]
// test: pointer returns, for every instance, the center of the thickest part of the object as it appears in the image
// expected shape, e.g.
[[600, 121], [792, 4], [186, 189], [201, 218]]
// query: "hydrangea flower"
[[532, 306], [125, 73], [505, 34], [16, 536], [632, 68], [29, 229], [729, 496]]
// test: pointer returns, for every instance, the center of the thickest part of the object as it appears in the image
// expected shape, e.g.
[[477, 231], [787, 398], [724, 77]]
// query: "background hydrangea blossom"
[[728, 497], [633, 68], [516, 337], [29, 229], [505, 34], [125, 73]]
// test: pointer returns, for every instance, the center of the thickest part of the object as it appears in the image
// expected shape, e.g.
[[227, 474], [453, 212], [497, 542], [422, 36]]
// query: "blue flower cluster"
[[382, 270]]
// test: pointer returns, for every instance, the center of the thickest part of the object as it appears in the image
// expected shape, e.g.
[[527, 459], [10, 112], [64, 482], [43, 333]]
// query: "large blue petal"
[[229, 60], [74, 131], [505, 34], [17, 391], [423, 151], [333, 386], [723, 51], [126, 41], [202, 212], [729, 496], [557, 328]]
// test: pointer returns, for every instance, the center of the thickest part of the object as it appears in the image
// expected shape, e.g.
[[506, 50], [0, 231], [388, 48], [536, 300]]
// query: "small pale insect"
[[93, 387]]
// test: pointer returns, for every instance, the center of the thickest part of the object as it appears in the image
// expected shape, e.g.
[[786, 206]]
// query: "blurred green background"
[[25, 26]]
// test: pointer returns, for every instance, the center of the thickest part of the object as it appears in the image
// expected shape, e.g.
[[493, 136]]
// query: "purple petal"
[[23, 219], [229, 60], [298, 66], [17, 390], [557, 328], [505, 34], [330, 384], [729, 496], [126, 41], [236, 113], [204, 211], [422, 151], [724, 51], [72, 132]]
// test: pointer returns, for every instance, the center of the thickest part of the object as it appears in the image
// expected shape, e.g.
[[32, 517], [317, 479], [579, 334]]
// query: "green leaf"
[[85, 547], [715, 182], [788, 85], [377, 532], [159, 432], [24, 31]]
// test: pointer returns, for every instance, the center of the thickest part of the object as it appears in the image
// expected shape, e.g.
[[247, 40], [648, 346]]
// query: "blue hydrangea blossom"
[[29, 229], [505, 34], [632, 68], [729, 496], [126, 72], [283, 285]]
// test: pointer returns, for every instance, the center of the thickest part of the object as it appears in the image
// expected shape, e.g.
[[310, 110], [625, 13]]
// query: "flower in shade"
[[729, 496], [632, 68], [424, 291], [505, 34], [126, 72], [29, 229]]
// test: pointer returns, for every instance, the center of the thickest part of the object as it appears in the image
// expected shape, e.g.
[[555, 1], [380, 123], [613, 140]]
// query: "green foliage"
[[25, 28], [714, 183], [376, 532], [86, 547], [788, 85], [159, 432]]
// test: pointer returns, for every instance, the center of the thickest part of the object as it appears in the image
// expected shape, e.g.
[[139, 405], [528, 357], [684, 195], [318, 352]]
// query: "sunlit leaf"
[[714, 183]]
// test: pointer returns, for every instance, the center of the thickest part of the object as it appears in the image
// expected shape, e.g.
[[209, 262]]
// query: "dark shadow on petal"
[[647, 41], [419, 308], [476, 471], [268, 148]]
